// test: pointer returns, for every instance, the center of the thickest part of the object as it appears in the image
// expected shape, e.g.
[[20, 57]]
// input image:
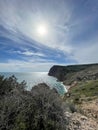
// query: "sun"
[[42, 30]]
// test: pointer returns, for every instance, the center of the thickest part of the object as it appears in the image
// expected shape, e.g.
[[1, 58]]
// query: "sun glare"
[[42, 30]]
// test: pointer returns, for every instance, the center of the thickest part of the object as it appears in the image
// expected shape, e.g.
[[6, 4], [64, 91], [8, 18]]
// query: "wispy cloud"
[[87, 54], [28, 53], [26, 20], [28, 66], [71, 35], [22, 66]]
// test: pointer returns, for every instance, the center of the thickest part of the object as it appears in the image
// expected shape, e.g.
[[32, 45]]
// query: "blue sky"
[[72, 34]]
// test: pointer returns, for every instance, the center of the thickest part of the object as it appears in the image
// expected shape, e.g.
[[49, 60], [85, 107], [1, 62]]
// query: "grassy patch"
[[83, 91], [88, 89]]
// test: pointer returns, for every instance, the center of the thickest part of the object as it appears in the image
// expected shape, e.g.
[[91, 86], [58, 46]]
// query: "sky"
[[37, 34]]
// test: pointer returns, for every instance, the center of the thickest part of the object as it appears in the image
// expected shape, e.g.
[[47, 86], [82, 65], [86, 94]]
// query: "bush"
[[38, 109]]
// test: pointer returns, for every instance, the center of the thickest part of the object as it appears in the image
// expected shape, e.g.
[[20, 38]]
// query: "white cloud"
[[22, 17], [87, 54], [27, 52], [21, 66], [32, 14]]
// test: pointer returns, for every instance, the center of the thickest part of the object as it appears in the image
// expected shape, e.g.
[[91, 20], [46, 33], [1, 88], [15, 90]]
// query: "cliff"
[[74, 73], [82, 96]]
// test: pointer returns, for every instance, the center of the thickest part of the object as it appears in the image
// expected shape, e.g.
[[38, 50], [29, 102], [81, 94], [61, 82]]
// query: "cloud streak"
[[71, 38], [24, 19], [22, 66]]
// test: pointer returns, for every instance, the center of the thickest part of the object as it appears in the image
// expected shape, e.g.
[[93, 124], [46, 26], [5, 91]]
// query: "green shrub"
[[38, 109]]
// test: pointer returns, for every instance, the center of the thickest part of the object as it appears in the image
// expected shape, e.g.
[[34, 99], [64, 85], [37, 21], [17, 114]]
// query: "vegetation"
[[83, 91], [81, 100], [78, 73], [42, 108], [38, 109]]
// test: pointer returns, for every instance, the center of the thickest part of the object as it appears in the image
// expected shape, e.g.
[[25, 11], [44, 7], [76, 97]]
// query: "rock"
[[74, 73], [80, 122]]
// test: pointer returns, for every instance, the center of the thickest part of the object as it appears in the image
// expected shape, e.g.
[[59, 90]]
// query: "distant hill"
[[74, 73]]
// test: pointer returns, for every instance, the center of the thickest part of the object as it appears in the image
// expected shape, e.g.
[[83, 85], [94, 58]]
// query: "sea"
[[34, 78]]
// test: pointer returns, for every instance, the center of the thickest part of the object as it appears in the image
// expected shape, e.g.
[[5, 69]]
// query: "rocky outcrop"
[[78, 121], [90, 109], [83, 99], [72, 73]]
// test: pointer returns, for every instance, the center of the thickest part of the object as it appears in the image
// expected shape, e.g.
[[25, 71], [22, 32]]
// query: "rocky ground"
[[90, 109], [78, 121], [85, 117], [84, 103]]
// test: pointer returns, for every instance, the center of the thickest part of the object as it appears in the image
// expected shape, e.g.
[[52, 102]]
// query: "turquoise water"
[[38, 77]]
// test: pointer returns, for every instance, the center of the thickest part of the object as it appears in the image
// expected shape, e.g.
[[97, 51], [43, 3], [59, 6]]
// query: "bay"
[[34, 78]]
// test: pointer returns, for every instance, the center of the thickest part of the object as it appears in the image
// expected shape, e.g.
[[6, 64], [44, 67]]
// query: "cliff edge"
[[74, 73]]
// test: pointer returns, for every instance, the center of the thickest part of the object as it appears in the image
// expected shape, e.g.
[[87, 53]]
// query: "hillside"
[[83, 100], [82, 95], [74, 73]]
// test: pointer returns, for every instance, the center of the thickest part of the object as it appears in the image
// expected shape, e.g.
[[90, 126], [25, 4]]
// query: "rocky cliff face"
[[58, 72], [69, 74]]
